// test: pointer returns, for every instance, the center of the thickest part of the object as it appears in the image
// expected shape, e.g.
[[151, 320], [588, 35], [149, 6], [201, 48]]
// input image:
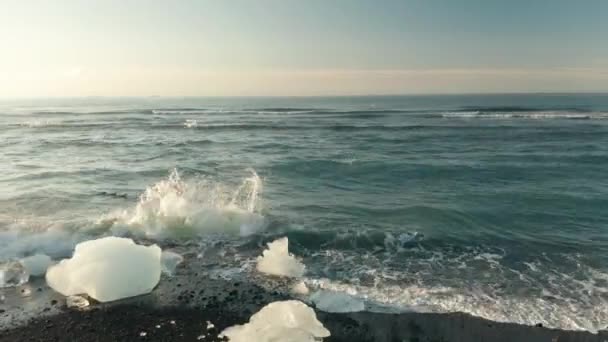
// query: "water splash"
[[177, 208]]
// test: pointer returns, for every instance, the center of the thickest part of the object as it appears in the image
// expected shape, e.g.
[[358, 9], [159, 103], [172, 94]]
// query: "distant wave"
[[472, 112], [526, 114], [264, 126]]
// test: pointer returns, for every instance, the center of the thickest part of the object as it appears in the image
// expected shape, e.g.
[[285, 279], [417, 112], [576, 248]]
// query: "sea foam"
[[175, 208]]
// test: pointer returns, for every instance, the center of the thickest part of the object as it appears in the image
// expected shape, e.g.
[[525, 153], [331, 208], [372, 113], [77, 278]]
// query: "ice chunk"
[[300, 288], [36, 265], [332, 301], [78, 302], [107, 269], [169, 261], [286, 321], [13, 274], [277, 260]]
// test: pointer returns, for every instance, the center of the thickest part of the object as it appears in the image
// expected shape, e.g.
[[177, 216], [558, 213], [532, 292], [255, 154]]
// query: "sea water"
[[495, 205]]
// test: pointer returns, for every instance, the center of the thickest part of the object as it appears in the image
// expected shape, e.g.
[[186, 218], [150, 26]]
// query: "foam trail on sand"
[[289, 320]]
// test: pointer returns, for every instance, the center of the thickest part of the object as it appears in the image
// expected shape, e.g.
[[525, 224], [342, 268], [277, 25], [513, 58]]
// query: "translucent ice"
[[169, 261], [107, 269], [36, 265], [286, 321], [77, 302], [277, 260], [12, 274], [331, 301]]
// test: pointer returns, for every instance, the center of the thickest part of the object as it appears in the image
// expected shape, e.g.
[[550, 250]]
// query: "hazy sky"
[[307, 47]]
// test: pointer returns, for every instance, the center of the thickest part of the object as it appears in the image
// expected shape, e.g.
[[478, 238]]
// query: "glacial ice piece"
[[277, 260], [286, 321], [13, 273], [169, 261], [36, 265], [332, 301], [300, 288], [107, 269], [78, 302]]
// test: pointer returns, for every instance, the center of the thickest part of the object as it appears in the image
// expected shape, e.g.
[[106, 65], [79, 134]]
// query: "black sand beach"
[[177, 311]]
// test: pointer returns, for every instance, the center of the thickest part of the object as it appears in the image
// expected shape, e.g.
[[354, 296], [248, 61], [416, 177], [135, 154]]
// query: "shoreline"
[[178, 311]]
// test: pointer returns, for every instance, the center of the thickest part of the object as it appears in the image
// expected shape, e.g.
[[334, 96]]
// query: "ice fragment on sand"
[[77, 302], [36, 265], [286, 321], [300, 288], [107, 269], [331, 301], [277, 260], [13, 273], [169, 261]]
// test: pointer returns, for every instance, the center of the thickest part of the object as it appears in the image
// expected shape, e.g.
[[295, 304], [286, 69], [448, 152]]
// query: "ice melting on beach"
[[107, 269], [169, 261], [331, 301], [36, 265], [277, 260], [175, 208], [13, 273], [77, 302], [286, 321]]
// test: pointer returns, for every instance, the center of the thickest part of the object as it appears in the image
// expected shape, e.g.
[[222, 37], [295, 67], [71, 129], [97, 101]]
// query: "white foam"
[[286, 321], [36, 265], [55, 242], [277, 260], [174, 208], [107, 269], [534, 115], [190, 123], [561, 312]]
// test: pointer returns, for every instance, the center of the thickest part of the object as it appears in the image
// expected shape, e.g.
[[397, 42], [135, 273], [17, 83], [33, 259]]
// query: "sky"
[[300, 48]]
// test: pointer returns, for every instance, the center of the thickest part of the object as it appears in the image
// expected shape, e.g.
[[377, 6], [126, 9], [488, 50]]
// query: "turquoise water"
[[488, 204]]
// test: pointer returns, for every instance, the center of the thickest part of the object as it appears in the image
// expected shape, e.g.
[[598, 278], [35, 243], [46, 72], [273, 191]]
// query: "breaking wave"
[[479, 282], [524, 113], [175, 208]]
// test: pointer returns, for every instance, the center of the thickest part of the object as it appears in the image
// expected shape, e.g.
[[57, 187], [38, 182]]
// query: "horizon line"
[[41, 97]]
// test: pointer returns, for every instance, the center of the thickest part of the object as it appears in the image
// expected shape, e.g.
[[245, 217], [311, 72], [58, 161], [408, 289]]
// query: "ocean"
[[494, 205]]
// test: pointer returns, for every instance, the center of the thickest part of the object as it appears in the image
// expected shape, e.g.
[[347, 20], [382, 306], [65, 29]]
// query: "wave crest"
[[177, 208]]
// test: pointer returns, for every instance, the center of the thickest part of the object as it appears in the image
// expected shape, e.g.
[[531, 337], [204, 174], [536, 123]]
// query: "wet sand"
[[180, 312], [180, 306]]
